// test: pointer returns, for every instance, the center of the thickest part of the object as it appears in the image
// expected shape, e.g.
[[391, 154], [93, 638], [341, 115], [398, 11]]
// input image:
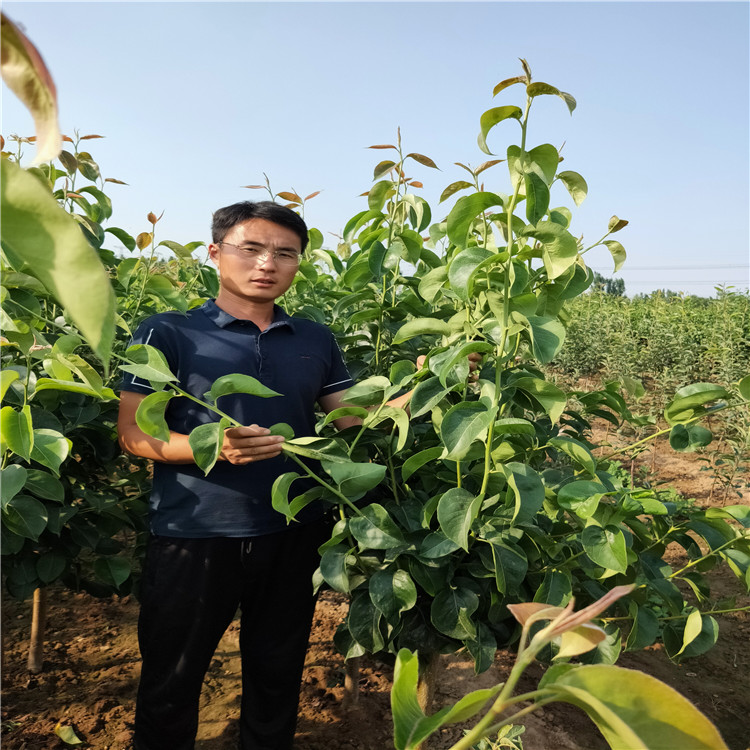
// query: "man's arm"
[[242, 445]]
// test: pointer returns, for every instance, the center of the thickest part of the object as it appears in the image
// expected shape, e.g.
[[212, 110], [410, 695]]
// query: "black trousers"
[[190, 593]]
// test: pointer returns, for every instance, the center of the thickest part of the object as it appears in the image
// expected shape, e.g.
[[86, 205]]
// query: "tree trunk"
[[429, 669], [351, 683], [38, 624]]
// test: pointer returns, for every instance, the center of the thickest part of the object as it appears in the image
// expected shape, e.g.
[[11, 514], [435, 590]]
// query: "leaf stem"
[[683, 616], [321, 481], [704, 557]]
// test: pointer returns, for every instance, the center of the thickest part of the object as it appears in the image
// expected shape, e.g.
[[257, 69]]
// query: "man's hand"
[[244, 445]]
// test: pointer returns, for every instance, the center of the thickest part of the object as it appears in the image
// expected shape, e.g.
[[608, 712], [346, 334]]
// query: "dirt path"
[[91, 673]]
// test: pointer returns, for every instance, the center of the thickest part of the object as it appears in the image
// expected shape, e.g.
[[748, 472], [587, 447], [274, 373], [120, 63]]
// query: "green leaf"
[[280, 493], [689, 437], [410, 726], [12, 481], [127, 240], [482, 649], [454, 187], [101, 198], [67, 735], [451, 612], [236, 383], [423, 160], [688, 402], [26, 75], [364, 623], [575, 185], [400, 419], [528, 489], [616, 224], [634, 710], [392, 592], [37, 231], [740, 513], [539, 89], [514, 426], [206, 441], [50, 449], [581, 497], [6, 378], [83, 369], [436, 545], [320, 449], [537, 197], [683, 642], [605, 546], [375, 529], [559, 247], [73, 386], [457, 358], [551, 398], [112, 570], [164, 288], [432, 283], [511, 566], [69, 162], [148, 364], [50, 566], [418, 460], [383, 168], [44, 485], [426, 396], [456, 511], [375, 258], [464, 267], [618, 253], [693, 627], [645, 628], [283, 429], [466, 210], [355, 479], [149, 415], [179, 250], [541, 160], [492, 117], [408, 717], [25, 516], [17, 430], [547, 337], [333, 568], [744, 387], [509, 82], [345, 411], [463, 424], [88, 167], [421, 327], [580, 454], [371, 391]]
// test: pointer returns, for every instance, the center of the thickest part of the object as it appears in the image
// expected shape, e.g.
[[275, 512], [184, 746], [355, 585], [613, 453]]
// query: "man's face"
[[245, 259]]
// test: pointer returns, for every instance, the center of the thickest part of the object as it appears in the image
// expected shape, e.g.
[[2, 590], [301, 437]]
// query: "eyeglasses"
[[255, 254]]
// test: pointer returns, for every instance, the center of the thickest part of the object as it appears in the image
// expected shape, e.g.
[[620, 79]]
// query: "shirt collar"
[[223, 319]]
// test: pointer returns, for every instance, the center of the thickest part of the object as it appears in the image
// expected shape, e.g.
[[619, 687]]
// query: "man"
[[216, 543]]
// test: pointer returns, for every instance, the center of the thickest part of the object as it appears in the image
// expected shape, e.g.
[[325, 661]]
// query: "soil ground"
[[91, 672]]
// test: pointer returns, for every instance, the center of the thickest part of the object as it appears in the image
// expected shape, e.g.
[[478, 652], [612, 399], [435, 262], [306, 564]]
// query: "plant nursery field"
[[525, 469], [91, 672]]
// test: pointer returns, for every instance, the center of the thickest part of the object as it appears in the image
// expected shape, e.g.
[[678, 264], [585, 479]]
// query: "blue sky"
[[198, 99]]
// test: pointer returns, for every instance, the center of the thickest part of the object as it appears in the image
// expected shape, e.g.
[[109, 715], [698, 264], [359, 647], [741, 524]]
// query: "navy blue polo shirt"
[[295, 357]]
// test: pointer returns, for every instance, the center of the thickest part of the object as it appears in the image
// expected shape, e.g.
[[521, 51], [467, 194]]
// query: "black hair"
[[238, 213]]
